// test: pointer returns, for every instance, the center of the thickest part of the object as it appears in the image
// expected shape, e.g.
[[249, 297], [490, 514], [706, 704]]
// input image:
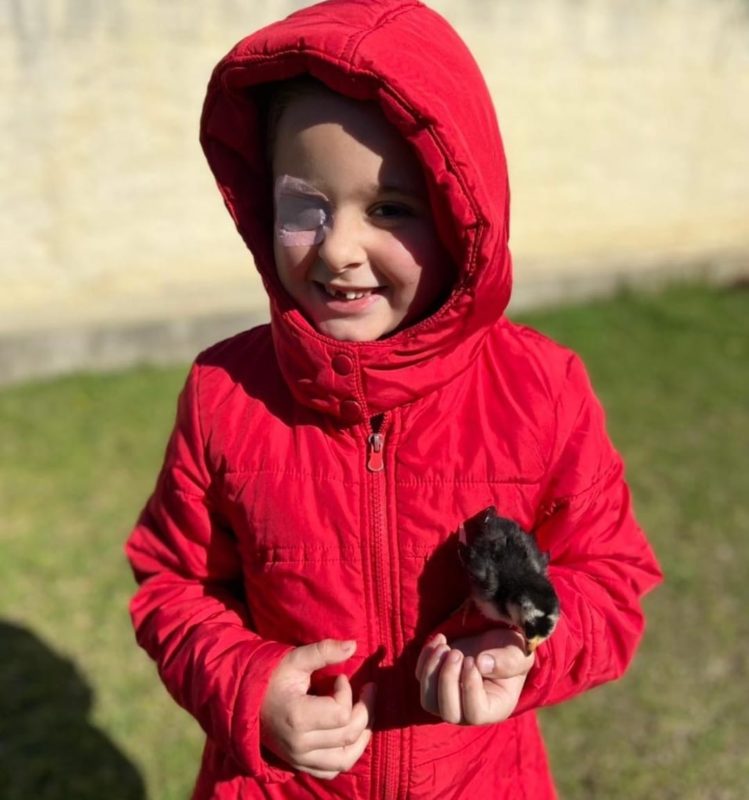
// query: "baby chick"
[[507, 573]]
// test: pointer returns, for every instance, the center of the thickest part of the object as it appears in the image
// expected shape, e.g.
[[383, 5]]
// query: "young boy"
[[299, 551]]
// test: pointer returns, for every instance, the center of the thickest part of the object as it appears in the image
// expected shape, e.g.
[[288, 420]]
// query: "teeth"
[[338, 293]]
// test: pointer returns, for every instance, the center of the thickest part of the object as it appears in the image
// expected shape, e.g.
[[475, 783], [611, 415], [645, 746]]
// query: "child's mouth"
[[349, 294]]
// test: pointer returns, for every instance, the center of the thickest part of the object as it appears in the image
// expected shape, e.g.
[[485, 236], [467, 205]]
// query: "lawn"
[[83, 716]]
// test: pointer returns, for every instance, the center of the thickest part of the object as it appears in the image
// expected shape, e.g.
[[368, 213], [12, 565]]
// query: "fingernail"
[[485, 664], [349, 647]]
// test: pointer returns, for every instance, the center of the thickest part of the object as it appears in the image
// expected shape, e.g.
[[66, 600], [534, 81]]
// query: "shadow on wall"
[[49, 750]]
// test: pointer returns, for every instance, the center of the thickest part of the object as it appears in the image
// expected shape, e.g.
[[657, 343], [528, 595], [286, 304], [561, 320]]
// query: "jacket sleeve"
[[188, 612], [601, 563]]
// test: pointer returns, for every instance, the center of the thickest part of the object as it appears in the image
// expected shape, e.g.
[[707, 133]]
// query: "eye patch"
[[302, 213]]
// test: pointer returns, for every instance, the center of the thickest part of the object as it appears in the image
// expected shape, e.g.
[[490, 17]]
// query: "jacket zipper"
[[387, 756], [375, 457]]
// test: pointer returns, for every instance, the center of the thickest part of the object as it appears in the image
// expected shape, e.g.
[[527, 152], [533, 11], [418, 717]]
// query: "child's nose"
[[343, 246]]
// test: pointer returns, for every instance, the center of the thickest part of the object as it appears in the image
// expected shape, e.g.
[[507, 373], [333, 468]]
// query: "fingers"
[[499, 653], [311, 657], [449, 688], [472, 695], [426, 651], [326, 775], [461, 697], [326, 753], [338, 738], [330, 713], [428, 677], [329, 762], [466, 697], [319, 735], [454, 688], [505, 662], [342, 696]]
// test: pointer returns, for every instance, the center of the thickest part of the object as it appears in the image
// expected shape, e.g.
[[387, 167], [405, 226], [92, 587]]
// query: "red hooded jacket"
[[268, 528]]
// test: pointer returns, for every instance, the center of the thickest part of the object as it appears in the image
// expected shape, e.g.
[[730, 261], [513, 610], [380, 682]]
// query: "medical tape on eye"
[[302, 213]]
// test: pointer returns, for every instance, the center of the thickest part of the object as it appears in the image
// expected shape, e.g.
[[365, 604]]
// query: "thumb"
[[504, 662], [311, 657]]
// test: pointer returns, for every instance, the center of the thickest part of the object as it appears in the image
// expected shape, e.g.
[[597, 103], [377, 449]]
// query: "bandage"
[[303, 214]]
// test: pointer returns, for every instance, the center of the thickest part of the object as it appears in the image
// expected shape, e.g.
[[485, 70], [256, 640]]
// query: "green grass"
[[86, 718], [83, 715], [673, 373]]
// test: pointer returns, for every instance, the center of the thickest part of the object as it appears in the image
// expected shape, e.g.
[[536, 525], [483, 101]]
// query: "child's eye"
[[392, 211]]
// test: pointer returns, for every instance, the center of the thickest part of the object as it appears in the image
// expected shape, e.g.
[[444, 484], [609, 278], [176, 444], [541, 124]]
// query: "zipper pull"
[[375, 462]]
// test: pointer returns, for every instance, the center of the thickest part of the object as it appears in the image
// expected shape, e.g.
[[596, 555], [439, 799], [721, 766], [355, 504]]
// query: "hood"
[[408, 59]]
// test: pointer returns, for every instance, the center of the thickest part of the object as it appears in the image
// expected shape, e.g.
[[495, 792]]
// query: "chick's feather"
[[507, 574]]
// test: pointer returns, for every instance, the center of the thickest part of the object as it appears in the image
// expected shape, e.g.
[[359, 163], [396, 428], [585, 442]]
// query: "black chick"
[[507, 573]]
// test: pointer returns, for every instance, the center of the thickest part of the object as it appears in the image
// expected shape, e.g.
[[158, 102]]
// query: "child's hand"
[[323, 736], [452, 687]]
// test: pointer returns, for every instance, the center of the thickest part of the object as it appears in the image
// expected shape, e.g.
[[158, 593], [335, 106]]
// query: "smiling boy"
[[298, 560]]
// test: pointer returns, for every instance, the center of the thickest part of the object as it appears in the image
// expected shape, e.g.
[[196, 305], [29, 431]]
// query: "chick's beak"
[[462, 537], [534, 643]]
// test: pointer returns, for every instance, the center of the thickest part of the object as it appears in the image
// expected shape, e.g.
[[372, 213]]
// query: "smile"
[[348, 294]]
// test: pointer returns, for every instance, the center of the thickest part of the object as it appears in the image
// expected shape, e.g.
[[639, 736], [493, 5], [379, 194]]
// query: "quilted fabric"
[[267, 529]]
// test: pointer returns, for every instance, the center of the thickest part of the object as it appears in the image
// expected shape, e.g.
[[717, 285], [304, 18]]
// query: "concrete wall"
[[626, 124]]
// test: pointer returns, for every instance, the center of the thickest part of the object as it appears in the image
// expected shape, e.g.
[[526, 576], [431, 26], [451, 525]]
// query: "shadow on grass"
[[49, 750]]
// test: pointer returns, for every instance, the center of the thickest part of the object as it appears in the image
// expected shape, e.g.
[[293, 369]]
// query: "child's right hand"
[[323, 736]]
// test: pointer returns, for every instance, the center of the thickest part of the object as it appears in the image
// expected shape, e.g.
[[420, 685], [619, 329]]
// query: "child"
[[298, 561]]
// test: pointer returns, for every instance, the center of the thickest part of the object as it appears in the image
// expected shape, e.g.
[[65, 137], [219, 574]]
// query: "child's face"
[[355, 243]]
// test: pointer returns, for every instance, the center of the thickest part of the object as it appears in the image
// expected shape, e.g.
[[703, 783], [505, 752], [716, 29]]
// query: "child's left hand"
[[453, 688]]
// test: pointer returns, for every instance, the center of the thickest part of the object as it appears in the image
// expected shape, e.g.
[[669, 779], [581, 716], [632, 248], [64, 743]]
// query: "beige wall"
[[626, 124]]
